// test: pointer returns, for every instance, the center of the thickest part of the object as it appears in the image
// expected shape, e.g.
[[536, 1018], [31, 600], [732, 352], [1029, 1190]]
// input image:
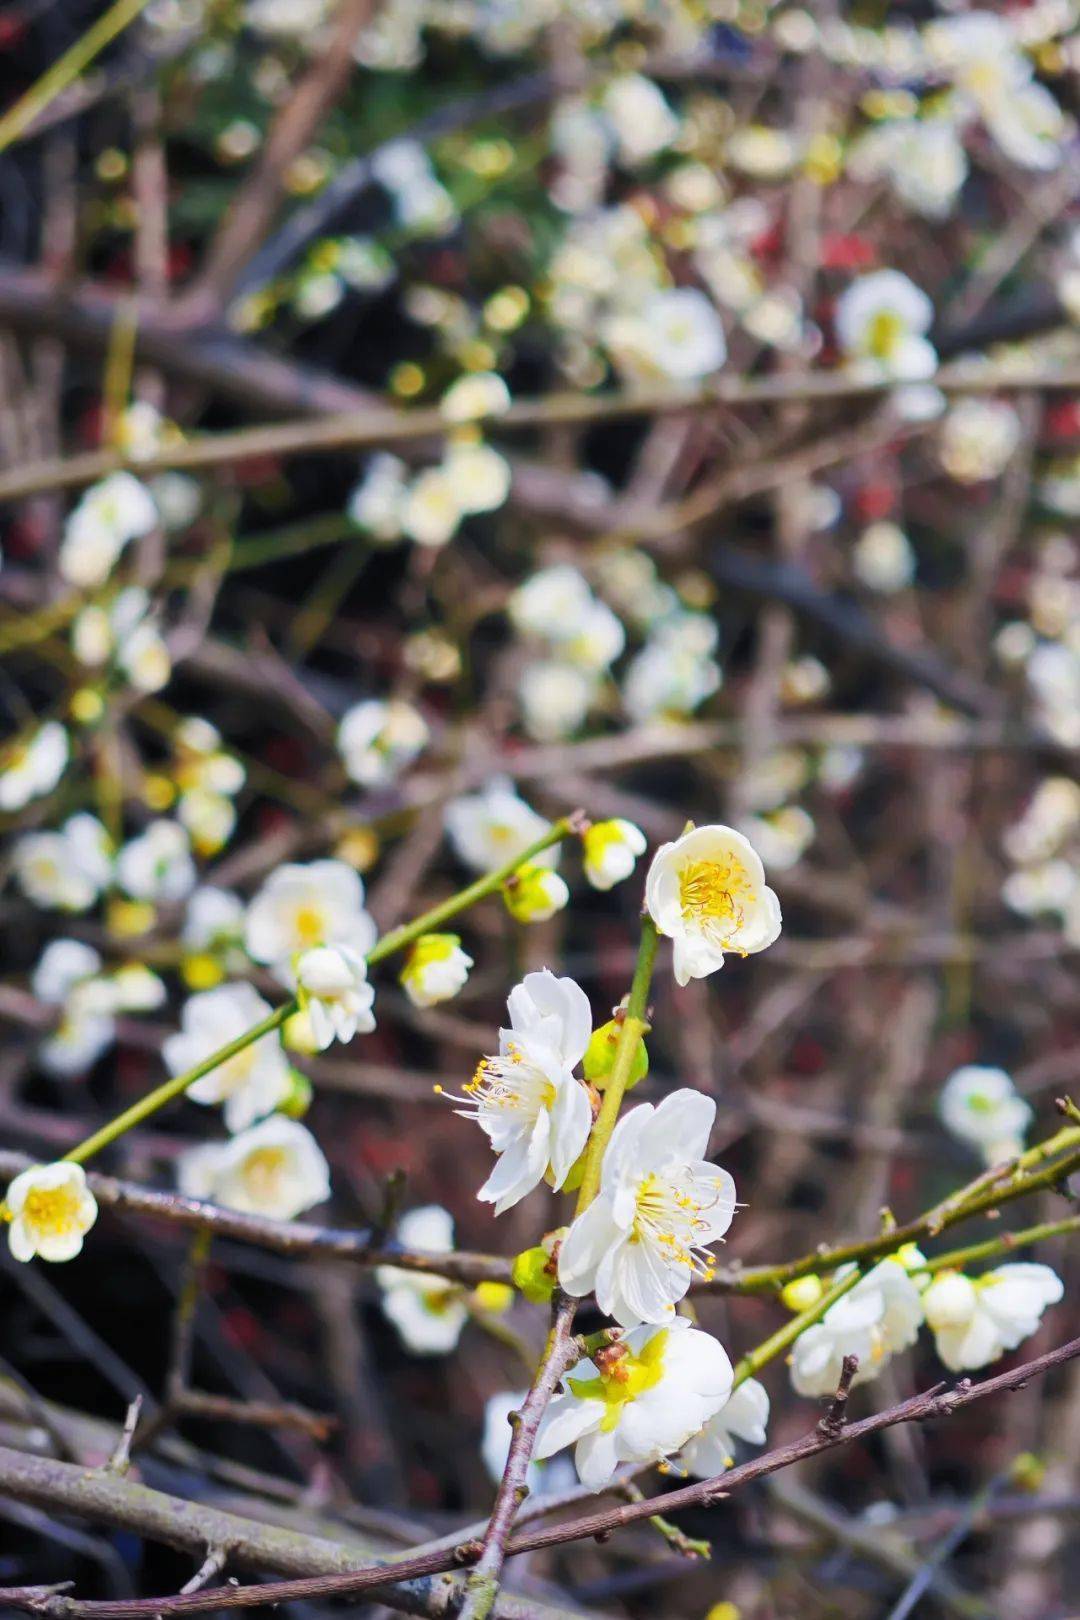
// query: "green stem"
[[779, 1341], [63, 72], [1005, 1244], [394, 941], [634, 1026]]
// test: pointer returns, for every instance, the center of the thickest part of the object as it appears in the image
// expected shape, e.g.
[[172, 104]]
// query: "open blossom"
[[333, 990], [31, 768], [982, 1106], [126, 632], [975, 1320], [301, 906], [555, 698], [491, 827], [646, 1234], [526, 1099], [639, 1404], [707, 892], [157, 865], [744, 1416], [881, 320], [51, 1210], [428, 1311], [611, 850], [483, 393], [67, 976], [978, 438], [883, 558], [677, 333], [109, 516], [873, 1321], [252, 1082], [377, 502], [436, 968], [64, 870], [275, 1168], [377, 740], [551, 604]]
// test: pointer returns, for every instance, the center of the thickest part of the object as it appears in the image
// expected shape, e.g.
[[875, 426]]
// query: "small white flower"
[[333, 989], [597, 640], [976, 1320], [554, 698], [377, 501], [483, 393], [66, 976], [428, 1311], [137, 988], [707, 892], [275, 1169], [640, 117], [677, 334], [923, 160], [431, 510], [51, 1210], [436, 968], [526, 1099], [65, 870], [378, 740], [611, 849], [252, 1082], [877, 1318], [63, 964], [534, 894], [109, 516], [978, 437], [208, 817], [645, 1235], [214, 918], [782, 837], [883, 558], [157, 865], [982, 1106], [744, 1416], [299, 907], [1051, 815], [662, 682], [32, 768], [552, 604], [478, 477], [489, 828], [495, 1445], [640, 1406], [881, 319]]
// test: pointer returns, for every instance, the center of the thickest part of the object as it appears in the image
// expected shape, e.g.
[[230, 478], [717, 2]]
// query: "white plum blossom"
[[378, 739], [51, 1209], [883, 558], [333, 990], [611, 849], [214, 918], [782, 837], [677, 333], [555, 698], [63, 964], [377, 502], [646, 1234], [109, 516], [1051, 815], [707, 892], [552, 604], [481, 393], [534, 893], [64, 870], [477, 476], [493, 826], [428, 1311], [301, 906], [975, 1320], [526, 1099], [435, 970], [127, 633], [881, 322], [638, 1405], [744, 1416], [431, 511], [495, 1444], [275, 1169], [253, 1081], [157, 865], [982, 1106], [875, 1320], [67, 976], [595, 642], [32, 768], [978, 438], [923, 160]]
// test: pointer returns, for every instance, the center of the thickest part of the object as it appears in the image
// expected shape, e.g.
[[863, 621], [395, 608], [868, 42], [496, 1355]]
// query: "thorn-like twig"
[[120, 1461], [211, 1566], [833, 1421]]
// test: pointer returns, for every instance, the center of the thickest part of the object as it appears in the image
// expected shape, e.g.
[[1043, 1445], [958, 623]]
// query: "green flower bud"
[[600, 1056], [298, 1099], [533, 1275]]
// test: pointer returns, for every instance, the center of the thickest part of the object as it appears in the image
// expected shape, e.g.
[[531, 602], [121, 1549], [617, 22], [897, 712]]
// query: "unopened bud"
[[801, 1294], [600, 1053]]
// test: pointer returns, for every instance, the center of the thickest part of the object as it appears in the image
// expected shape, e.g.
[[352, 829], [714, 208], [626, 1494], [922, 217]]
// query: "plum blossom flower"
[[744, 1416], [301, 906], [639, 1404], [31, 768], [552, 604], [333, 990], [492, 826], [428, 1311], [611, 849], [975, 1320], [275, 1168], [436, 968], [481, 393], [554, 697], [881, 321], [64, 870], [377, 502], [981, 1105], [157, 865], [51, 1209], [249, 1084], [534, 893], [645, 1235], [109, 516], [677, 334], [873, 1321], [526, 1098], [883, 558], [707, 892], [67, 976], [378, 739]]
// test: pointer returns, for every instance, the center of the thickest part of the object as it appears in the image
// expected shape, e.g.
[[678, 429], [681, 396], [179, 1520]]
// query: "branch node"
[[831, 1425]]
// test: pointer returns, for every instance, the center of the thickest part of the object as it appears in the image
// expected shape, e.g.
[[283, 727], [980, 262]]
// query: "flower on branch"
[[333, 990], [51, 1209], [275, 1168], [299, 907], [250, 1083], [707, 892], [611, 850], [645, 1236], [880, 1316], [975, 1320], [436, 968], [982, 1106], [428, 1311], [534, 893], [494, 825], [744, 1416]]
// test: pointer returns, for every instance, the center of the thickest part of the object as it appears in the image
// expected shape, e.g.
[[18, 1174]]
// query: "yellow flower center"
[[309, 924], [712, 892], [884, 334], [510, 1081], [51, 1211], [263, 1171], [627, 1377]]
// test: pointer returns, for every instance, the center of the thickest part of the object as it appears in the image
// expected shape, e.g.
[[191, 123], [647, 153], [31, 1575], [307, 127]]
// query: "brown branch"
[[60, 1486], [833, 1421]]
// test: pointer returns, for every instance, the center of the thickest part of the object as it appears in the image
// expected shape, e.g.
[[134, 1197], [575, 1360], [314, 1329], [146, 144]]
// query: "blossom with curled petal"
[[975, 1320], [333, 990], [707, 892]]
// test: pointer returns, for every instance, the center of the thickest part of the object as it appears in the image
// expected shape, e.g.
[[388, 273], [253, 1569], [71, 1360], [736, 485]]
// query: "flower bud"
[[611, 849], [493, 1297], [801, 1294], [949, 1302], [600, 1056], [436, 968], [297, 1100], [534, 1270], [534, 894], [298, 1036]]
